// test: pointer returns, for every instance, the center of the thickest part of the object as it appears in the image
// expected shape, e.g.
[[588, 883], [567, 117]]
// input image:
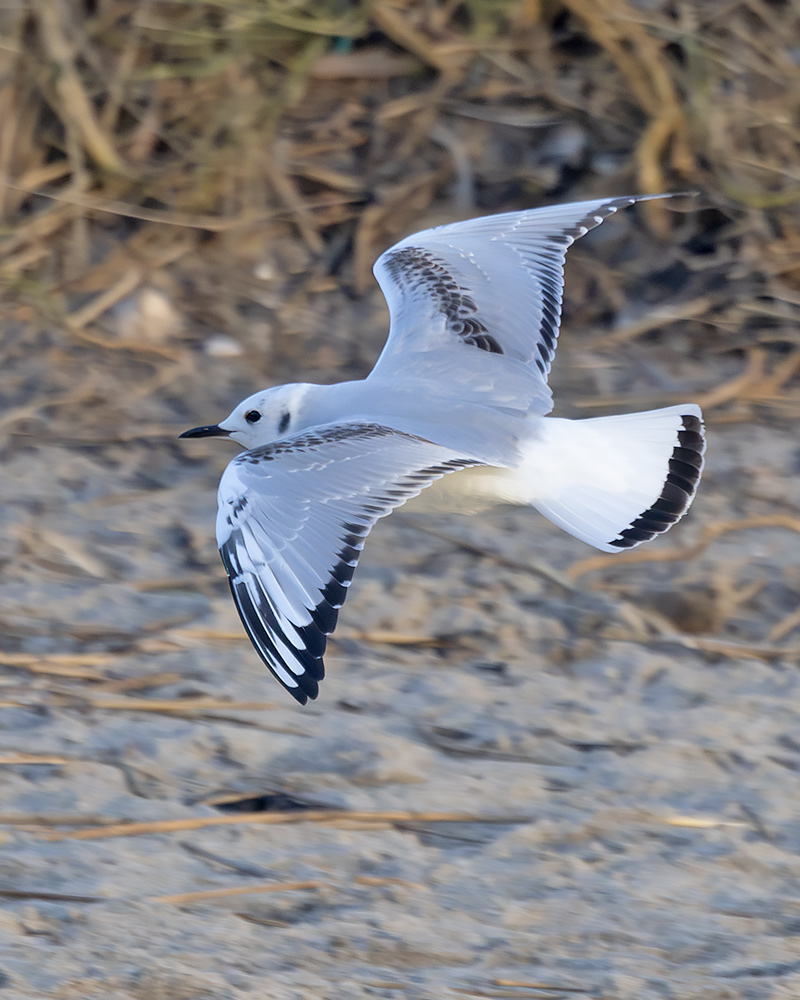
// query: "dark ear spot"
[[284, 422]]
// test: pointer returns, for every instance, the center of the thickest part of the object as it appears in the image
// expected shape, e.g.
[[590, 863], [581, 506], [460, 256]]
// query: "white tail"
[[613, 482]]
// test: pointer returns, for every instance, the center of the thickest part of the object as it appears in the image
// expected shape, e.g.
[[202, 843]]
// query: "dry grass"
[[369, 820], [176, 142]]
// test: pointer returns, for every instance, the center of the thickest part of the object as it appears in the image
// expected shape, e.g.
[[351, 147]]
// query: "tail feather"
[[614, 482]]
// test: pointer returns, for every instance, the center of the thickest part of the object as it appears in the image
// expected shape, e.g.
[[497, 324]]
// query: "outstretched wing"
[[292, 521], [493, 284]]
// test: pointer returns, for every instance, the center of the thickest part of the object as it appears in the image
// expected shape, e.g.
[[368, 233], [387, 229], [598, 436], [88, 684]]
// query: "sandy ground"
[[567, 778]]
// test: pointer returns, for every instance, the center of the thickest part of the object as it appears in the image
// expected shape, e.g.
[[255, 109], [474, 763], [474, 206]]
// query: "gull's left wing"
[[492, 284], [292, 520]]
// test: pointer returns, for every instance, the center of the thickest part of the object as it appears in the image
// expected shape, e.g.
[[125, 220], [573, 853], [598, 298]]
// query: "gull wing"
[[492, 284], [292, 521]]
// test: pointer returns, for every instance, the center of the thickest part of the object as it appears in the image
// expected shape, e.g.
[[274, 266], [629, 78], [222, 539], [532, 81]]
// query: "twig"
[[642, 555], [137, 683], [74, 105], [539, 986], [655, 318], [227, 893], [59, 665], [54, 897], [786, 625], [700, 822], [169, 217], [733, 650], [101, 303], [178, 706], [285, 188], [241, 890], [384, 637], [277, 819], [18, 757]]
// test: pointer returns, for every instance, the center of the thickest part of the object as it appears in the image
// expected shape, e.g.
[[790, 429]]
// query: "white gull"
[[462, 381]]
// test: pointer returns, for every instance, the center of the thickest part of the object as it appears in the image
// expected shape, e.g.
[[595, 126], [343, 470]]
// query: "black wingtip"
[[302, 696], [307, 682]]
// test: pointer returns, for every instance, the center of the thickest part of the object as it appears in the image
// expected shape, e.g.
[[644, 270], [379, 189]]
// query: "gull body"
[[461, 382]]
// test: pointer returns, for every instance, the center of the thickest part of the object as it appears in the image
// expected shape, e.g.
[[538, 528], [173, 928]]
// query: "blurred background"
[[533, 770]]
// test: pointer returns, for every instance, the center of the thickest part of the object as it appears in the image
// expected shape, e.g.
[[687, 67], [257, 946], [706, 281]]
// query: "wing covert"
[[292, 521]]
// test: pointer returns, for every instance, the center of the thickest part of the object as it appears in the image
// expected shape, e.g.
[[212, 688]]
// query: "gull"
[[475, 309]]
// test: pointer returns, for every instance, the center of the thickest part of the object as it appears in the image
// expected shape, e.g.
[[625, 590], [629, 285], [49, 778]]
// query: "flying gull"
[[462, 381]]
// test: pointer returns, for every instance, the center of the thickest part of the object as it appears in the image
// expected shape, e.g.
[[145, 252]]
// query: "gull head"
[[260, 419]]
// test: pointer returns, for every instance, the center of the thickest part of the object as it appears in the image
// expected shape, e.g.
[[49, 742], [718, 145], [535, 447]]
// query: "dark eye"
[[252, 416]]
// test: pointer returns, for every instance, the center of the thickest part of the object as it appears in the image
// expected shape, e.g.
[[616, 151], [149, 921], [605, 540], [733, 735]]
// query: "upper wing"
[[292, 521], [493, 283]]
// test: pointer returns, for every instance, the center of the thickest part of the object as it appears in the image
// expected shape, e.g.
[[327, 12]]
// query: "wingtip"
[[669, 194], [635, 199], [306, 683], [300, 695], [309, 686]]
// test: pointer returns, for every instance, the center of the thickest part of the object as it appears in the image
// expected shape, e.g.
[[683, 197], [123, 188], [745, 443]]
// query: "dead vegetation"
[[182, 144]]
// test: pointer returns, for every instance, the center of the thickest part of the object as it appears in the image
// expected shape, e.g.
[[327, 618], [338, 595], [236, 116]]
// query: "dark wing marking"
[[677, 493], [418, 270], [293, 518], [494, 283]]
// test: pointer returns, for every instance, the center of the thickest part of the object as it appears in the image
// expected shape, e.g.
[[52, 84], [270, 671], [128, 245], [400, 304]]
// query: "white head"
[[260, 419]]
